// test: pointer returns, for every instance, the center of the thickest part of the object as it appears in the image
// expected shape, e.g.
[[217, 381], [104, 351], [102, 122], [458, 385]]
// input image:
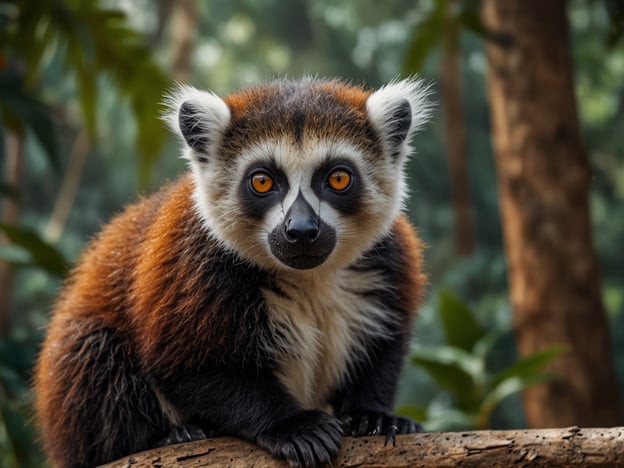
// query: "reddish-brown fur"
[[99, 294], [145, 278], [124, 282], [262, 110], [413, 280]]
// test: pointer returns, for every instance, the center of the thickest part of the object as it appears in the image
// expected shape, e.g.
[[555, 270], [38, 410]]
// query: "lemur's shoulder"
[[412, 277], [187, 287], [104, 271]]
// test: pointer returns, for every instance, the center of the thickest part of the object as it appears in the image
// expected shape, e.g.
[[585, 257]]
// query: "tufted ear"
[[200, 117], [397, 110]]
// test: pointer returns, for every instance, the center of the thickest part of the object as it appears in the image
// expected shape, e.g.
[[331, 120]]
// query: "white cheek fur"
[[218, 203]]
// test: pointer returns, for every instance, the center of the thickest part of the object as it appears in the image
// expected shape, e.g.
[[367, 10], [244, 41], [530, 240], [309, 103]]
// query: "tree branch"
[[69, 187], [602, 447]]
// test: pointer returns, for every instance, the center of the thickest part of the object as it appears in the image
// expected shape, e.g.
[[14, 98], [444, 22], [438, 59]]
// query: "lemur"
[[266, 294]]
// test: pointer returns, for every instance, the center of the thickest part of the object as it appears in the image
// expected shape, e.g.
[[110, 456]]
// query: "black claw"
[[289, 453], [363, 428], [305, 453], [415, 427], [346, 422], [329, 444], [376, 426], [391, 435], [309, 439], [407, 426], [369, 422], [182, 434]]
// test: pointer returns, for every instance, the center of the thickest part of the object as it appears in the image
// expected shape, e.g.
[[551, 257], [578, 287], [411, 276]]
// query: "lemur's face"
[[299, 175]]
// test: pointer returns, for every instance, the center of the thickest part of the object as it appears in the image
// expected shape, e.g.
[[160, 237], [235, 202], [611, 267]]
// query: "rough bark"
[[543, 179], [525, 448], [455, 135]]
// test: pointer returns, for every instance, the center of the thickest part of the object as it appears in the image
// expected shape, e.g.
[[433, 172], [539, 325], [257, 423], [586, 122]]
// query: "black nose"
[[301, 224], [303, 240], [302, 230]]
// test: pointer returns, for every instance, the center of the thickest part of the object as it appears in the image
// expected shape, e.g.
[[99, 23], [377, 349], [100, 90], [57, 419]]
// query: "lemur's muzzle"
[[303, 240]]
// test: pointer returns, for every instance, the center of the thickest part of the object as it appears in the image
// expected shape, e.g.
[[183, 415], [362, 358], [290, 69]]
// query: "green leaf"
[[449, 420], [427, 35], [97, 41], [15, 255], [87, 81], [21, 436], [488, 341], [508, 387], [151, 135], [529, 366], [460, 327], [37, 40], [32, 113], [417, 413], [121, 53], [452, 369], [42, 253]]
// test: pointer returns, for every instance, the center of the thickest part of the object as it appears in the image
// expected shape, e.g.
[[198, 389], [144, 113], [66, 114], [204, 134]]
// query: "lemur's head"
[[299, 174]]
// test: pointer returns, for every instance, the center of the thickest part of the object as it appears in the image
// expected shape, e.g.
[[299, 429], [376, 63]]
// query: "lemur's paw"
[[181, 434], [310, 438], [365, 422]]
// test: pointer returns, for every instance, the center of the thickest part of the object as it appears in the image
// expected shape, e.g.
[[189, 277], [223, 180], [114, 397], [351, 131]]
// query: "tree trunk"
[[543, 181], [568, 447], [13, 172], [183, 28], [455, 133]]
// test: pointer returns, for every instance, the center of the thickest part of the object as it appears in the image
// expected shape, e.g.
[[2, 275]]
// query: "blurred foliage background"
[[80, 87]]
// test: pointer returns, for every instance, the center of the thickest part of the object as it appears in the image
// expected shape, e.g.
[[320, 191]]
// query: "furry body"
[[181, 322]]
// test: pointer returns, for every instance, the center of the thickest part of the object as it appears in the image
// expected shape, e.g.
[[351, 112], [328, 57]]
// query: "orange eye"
[[339, 180], [261, 182]]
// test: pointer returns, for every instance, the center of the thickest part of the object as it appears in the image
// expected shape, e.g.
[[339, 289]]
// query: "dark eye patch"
[[256, 205], [347, 201]]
